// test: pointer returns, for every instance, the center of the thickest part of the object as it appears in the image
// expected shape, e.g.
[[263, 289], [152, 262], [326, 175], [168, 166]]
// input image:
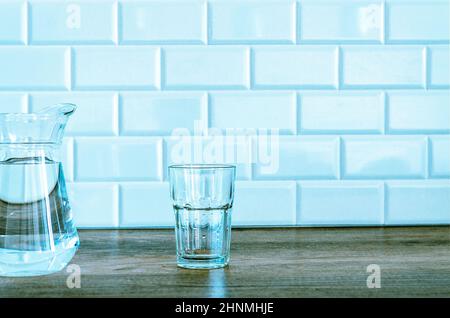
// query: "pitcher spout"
[[64, 109], [42, 127]]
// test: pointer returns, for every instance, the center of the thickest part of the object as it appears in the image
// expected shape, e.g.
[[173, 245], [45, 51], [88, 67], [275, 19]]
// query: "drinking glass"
[[202, 196]]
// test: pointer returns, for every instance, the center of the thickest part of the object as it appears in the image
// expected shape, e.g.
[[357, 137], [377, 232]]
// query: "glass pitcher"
[[37, 234]]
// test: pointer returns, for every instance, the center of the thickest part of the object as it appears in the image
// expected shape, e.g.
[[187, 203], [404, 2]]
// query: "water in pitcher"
[[37, 234]]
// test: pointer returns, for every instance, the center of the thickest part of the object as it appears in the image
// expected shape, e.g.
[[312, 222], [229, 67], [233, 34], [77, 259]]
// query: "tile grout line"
[[341, 158], [383, 22], [297, 202], [28, 103], [117, 114], [251, 156], [159, 69], [27, 24], [117, 23], [249, 67], [339, 68], [162, 69], [384, 203], [425, 68], [296, 22], [207, 23], [298, 114], [208, 111], [163, 157], [70, 69], [428, 158], [385, 113], [119, 204], [74, 155]]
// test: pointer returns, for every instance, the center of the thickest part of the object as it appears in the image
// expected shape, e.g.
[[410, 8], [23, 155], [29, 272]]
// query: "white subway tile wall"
[[303, 157], [252, 21], [121, 68], [326, 112], [279, 110], [440, 156], [418, 112], [205, 67], [359, 92], [34, 68], [94, 204], [340, 21], [97, 19], [265, 203], [384, 157], [340, 203], [96, 112], [200, 149], [411, 21], [439, 68], [13, 24], [297, 66], [163, 21], [426, 202], [13, 102], [383, 66]]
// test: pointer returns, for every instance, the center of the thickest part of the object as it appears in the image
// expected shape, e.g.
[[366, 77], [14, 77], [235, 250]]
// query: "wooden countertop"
[[302, 262]]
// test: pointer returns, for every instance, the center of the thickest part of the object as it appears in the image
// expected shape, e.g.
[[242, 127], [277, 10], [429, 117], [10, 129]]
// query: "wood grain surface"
[[293, 262]]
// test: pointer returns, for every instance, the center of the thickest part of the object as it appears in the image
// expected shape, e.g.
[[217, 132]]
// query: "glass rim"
[[58, 110], [202, 166]]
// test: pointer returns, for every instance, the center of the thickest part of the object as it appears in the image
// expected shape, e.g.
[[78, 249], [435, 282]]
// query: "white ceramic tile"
[[163, 21], [67, 158], [252, 21], [238, 111], [341, 112], [384, 157], [340, 203], [49, 65], [206, 67], [161, 113], [219, 148], [105, 159], [418, 21], [264, 203], [420, 202], [13, 103], [440, 156], [54, 22], [418, 112], [12, 22], [310, 157], [94, 205], [382, 66], [146, 205], [127, 67], [295, 67], [96, 113], [439, 67], [340, 21]]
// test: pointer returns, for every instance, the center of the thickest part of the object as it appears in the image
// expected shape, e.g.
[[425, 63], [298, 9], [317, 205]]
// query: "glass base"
[[15, 263], [196, 263]]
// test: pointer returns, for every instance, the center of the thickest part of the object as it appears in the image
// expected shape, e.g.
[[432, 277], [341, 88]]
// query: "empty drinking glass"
[[202, 198]]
